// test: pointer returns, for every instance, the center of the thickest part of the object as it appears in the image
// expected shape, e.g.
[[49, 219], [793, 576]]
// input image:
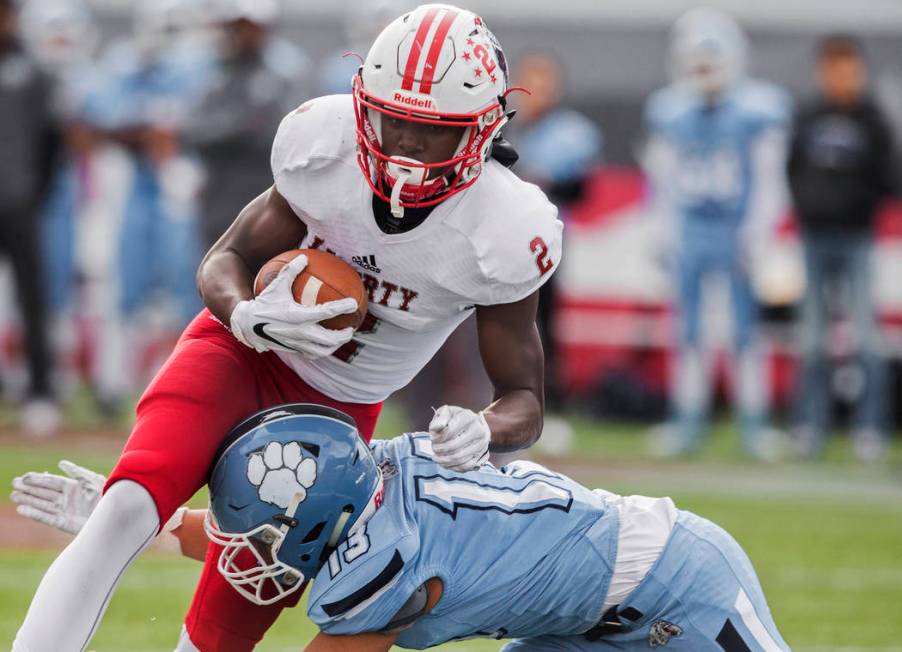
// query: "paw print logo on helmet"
[[291, 484], [437, 65], [281, 473]]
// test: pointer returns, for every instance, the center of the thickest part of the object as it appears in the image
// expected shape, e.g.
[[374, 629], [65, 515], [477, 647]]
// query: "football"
[[326, 278]]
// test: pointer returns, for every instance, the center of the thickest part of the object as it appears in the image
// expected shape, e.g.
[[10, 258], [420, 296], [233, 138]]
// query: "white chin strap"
[[402, 174]]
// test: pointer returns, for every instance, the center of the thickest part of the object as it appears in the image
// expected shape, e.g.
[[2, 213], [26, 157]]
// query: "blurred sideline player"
[[407, 552], [559, 149], [28, 131], [362, 22], [717, 143], [138, 233], [258, 78], [440, 231], [63, 36]]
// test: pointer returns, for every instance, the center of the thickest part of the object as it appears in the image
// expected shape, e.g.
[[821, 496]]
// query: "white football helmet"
[[707, 50], [441, 65]]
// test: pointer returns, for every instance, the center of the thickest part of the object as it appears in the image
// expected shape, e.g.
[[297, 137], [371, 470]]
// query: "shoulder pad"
[[366, 582], [766, 102], [513, 233], [667, 105], [319, 131]]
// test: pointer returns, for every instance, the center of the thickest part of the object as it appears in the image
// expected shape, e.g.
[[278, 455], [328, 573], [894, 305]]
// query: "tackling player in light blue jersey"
[[715, 161], [405, 552]]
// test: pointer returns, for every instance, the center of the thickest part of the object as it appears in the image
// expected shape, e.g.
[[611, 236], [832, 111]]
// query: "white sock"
[[77, 587], [185, 644], [690, 383]]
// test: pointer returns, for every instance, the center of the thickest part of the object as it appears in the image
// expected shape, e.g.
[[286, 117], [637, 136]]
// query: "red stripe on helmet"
[[435, 50], [416, 48]]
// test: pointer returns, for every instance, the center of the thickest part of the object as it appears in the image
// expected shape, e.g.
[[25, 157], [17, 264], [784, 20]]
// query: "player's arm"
[[65, 502], [512, 354], [192, 539], [369, 642], [265, 227]]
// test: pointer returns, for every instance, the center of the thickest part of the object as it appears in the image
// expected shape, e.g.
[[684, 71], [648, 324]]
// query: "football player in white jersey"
[[439, 229]]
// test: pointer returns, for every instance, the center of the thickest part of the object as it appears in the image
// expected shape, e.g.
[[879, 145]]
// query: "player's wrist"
[[167, 539], [238, 319]]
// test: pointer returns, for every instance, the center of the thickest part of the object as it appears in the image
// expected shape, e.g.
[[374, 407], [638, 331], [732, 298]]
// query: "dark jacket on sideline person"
[[840, 166]]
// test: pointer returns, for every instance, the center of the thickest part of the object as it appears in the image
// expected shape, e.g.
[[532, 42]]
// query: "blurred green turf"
[[825, 538]]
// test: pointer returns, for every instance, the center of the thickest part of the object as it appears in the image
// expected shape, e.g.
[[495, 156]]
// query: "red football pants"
[[209, 384]]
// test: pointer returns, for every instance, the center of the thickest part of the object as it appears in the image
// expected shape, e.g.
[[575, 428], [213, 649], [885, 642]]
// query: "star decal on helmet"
[[280, 472]]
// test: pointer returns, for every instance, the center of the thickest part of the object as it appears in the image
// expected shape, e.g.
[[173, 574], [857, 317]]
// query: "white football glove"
[[460, 438], [274, 321], [61, 502]]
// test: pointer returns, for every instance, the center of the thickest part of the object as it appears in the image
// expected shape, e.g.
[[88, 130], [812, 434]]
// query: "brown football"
[[326, 278]]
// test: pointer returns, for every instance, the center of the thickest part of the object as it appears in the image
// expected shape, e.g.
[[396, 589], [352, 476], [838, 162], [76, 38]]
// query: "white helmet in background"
[[440, 65], [59, 33], [707, 50]]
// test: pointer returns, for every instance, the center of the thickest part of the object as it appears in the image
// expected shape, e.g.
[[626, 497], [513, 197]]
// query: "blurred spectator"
[[558, 148], [839, 170], [715, 160], [258, 79], [29, 144], [146, 186], [63, 35], [363, 22]]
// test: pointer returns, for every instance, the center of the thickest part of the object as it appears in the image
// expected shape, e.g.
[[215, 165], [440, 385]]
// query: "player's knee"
[[129, 507]]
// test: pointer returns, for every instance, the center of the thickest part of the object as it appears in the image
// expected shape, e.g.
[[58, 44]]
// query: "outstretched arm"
[[66, 501]]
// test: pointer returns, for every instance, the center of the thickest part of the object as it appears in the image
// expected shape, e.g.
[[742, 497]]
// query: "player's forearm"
[[515, 420], [265, 227], [224, 279], [191, 536]]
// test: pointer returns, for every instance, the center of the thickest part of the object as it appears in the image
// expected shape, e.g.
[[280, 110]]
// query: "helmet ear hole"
[[313, 534]]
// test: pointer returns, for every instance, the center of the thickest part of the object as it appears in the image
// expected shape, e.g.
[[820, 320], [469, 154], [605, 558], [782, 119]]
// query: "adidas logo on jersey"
[[366, 262]]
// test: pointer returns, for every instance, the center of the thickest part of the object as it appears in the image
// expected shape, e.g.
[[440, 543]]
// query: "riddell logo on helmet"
[[419, 102]]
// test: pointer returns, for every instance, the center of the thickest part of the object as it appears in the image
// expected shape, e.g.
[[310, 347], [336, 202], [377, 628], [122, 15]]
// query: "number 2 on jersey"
[[538, 247]]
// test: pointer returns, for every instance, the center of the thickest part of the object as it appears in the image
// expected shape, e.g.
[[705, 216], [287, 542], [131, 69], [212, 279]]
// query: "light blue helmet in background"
[[707, 50], [292, 483]]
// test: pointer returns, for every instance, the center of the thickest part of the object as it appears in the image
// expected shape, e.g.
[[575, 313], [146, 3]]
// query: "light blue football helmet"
[[708, 50], [292, 482]]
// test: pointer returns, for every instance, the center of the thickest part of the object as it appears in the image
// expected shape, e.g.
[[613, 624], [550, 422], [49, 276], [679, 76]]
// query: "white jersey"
[[495, 242]]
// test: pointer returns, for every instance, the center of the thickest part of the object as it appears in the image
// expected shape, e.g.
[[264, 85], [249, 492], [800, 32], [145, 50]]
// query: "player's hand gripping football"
[[62, 502], [460, 438], [274, 321]]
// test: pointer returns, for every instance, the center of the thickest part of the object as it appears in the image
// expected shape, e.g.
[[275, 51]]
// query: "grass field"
[[826, 540]]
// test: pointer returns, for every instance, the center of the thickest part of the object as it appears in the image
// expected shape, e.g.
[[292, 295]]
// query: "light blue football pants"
[[702, 594]]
